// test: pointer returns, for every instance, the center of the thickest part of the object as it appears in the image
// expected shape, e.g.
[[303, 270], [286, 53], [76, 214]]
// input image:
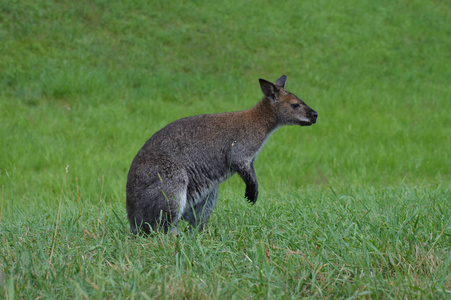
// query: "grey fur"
[[176, 174]]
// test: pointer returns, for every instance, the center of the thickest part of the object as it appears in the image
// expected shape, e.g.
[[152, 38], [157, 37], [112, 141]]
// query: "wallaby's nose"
[[314, 115]]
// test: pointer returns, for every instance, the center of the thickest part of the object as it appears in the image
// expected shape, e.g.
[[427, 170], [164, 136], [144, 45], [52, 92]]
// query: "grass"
[[387, 243], [355, 206]]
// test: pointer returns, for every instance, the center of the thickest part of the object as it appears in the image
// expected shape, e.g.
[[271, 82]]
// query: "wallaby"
[[176, 174]]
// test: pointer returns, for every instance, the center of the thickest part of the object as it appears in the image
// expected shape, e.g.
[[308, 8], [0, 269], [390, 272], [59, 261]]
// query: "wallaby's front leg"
[[247, 173]]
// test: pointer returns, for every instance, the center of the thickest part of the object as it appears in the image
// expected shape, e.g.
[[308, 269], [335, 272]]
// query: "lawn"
[[357, 205]]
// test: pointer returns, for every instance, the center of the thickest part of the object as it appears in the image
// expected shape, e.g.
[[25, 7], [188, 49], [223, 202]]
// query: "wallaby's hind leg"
[[197, 216], [155, 200]]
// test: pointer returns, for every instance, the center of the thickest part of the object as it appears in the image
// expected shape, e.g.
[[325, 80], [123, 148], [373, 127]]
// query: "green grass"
[[385, 243], [355, 206]]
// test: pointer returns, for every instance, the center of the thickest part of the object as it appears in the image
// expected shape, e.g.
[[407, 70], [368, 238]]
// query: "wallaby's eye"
[[295, 105]]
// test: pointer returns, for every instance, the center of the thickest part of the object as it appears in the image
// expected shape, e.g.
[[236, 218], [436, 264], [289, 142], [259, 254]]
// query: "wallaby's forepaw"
[[251, 195]]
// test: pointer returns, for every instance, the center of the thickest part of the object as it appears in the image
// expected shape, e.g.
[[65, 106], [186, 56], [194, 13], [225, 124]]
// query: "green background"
[[86, 83]]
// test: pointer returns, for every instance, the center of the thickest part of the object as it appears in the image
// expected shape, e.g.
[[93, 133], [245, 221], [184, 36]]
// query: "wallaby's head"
[[290, 110]]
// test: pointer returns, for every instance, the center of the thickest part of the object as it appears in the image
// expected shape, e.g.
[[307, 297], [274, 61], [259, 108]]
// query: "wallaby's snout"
[[313, 117], [309, 117]]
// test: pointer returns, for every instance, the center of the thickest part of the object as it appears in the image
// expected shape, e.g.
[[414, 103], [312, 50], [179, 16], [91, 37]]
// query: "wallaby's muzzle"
[[313, 116]]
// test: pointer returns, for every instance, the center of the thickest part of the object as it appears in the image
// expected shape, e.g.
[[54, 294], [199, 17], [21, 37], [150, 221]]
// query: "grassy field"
[[356, 206]]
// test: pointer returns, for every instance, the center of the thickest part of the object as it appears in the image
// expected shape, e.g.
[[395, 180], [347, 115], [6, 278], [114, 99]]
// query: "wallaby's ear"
[[269, 90], [281, 81]]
